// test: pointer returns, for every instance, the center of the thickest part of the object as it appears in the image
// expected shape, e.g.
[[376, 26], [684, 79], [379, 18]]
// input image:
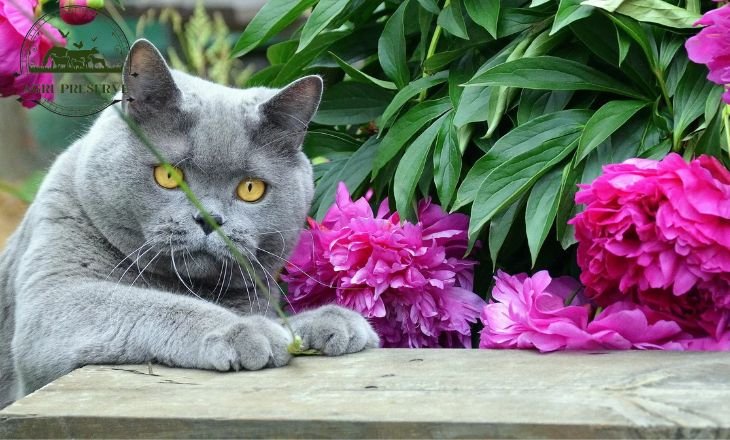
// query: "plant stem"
[[431, 51], [726, 124], [693, 6], [663, 87]]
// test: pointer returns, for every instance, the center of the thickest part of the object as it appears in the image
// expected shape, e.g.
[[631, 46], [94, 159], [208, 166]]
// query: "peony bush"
[[584, 146]]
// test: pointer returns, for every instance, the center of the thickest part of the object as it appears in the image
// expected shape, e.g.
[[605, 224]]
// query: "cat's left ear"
[[295, 105]]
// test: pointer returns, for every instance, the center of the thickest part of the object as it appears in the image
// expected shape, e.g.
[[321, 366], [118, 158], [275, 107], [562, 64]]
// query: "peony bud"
[[79, 15]]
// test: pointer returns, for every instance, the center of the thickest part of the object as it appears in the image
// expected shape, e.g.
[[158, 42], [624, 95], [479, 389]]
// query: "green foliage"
[[497, 109], [205, 47]]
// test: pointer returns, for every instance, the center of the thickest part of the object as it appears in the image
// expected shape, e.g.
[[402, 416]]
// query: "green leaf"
[[320, 142], [567, 208], [392, 48], [272, 18], [447, 162], [551, 73], [452, 20], [689, 100], [322, 15], [564, 126], [474, 100], [499, 228], [280, 53], [411, 167], [406, 126], [485, 13], [511, 179], [604, 122], [408, 92], [639, 34], [542, 207], [357, 75], [353, 173], [297, 63], [535, 103], [350, 103], [649, 11], [430, 5], [623, 46], [568, 12]]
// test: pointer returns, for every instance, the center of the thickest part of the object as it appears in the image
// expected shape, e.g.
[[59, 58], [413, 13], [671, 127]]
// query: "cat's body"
[[106, 265]]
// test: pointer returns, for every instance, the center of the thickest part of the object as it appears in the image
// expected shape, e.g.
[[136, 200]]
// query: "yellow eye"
[[166, 179], [251, 190]]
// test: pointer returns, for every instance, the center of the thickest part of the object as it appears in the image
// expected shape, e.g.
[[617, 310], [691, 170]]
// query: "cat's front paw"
[[334, 330], [251, 344]]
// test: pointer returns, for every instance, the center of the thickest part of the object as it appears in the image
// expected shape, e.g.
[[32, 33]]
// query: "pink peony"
[[409, 280], [547, 314], [711, 46], [657, 233], [16, 19]]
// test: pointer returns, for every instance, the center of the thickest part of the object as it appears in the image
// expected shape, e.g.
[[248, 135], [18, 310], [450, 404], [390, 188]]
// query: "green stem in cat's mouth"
[[295, 348]]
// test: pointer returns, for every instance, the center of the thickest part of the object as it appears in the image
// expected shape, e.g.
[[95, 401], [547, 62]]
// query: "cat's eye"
[[251, 190], [167, 179]]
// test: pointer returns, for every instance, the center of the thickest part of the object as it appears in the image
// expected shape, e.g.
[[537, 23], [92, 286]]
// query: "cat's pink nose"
[[207, 227]]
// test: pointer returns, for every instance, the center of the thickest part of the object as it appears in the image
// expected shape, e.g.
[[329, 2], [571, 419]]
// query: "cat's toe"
[[252, 344], [335, 331]]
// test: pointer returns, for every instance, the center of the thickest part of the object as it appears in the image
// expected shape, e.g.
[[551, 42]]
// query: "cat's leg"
[[64, 327], [334, 330]]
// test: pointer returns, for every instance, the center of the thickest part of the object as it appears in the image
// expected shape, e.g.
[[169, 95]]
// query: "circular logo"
[[81, 74]]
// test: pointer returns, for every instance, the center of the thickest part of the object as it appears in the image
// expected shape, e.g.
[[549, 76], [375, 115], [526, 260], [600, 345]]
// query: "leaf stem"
[[663, 87], [726, 124], [431, 51]]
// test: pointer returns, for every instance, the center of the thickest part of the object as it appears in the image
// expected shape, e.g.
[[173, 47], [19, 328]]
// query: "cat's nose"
[[207, 228]]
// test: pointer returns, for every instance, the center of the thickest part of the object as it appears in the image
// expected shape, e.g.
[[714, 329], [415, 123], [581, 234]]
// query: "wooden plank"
[[394, 393]]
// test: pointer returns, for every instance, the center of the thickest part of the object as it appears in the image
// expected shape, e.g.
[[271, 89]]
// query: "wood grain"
[[394, 393]]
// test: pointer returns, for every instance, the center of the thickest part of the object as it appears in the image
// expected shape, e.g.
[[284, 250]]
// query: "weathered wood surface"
[[394, 393]]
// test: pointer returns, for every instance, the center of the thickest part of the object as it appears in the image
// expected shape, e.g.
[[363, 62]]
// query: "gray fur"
[[106, 265]]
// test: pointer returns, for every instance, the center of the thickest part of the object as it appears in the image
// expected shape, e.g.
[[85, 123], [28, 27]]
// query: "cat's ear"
[[148, 83], [295, 105]]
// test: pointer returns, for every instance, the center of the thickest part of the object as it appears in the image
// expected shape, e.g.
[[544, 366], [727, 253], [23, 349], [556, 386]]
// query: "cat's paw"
[[251, 344], [334, 330]]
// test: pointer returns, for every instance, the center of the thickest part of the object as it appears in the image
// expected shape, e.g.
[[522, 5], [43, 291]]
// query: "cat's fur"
[[91, 275]]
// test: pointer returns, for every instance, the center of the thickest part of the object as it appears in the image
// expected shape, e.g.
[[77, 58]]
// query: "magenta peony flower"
[[409, 280], [657, 233], [711, 46], [16, 19], [532, 313]]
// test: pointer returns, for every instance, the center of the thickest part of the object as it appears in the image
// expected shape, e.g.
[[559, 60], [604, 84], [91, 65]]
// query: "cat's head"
[[239, 151]]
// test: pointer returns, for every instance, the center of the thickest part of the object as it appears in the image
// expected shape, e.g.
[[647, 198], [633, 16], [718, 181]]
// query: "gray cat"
[[112, 264]]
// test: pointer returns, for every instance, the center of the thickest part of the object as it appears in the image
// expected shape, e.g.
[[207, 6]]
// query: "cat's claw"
[[334, 330], [252, 344]]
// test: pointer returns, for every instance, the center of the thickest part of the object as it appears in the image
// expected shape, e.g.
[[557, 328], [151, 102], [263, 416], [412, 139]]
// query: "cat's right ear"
[[148, 84]]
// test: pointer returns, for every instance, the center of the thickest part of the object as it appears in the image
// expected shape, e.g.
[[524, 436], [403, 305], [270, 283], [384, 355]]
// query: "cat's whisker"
[[136, 251], [174, 266], [145, 268], [230, 274], [248, 292], [268, 297], [132, 264], [308, 275], [187, 270], [223, 281], [212, 292]]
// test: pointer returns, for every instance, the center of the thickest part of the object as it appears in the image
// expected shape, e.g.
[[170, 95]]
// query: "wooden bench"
[[394, 393]]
